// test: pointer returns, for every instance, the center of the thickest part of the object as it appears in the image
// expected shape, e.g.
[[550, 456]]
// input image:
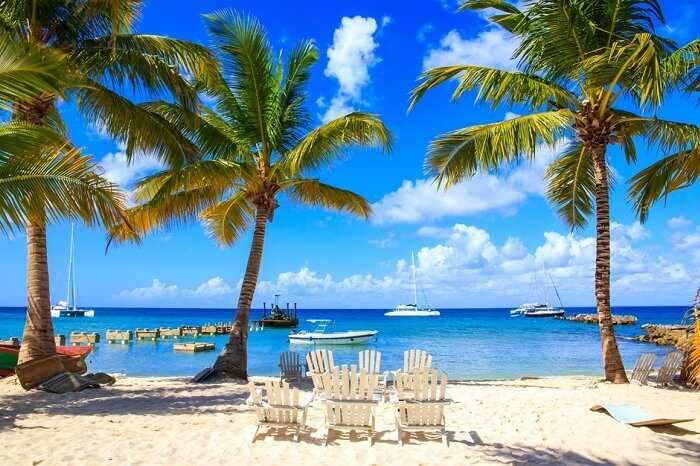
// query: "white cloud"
[[388, 241], [690, 242], [493, 47], [420, 201], [463, 266], [119, 171], [216, 286], [423, 32], [350, 57], [158, 290], [678, 222]]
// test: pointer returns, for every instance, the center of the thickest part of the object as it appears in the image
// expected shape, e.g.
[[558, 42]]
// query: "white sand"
[[169, 421]]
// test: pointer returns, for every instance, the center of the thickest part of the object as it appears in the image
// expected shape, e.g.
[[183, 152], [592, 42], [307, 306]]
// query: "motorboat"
[[320, 335]]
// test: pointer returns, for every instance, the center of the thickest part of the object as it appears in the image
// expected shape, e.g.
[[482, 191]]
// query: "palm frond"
[[143, 131], [313, 192], [660, 179], [460, 154], [495, 86], [227, 220], [571, 185], [212, 136], [22, 138], [27, 73], [249, 70], [54, 184], [155, 64], [321, 145]]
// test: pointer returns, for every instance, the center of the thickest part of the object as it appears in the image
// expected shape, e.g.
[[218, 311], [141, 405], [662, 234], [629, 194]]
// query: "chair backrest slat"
[[320, 360], [370, 360], [416, 359], [669, 366], [643, 367]]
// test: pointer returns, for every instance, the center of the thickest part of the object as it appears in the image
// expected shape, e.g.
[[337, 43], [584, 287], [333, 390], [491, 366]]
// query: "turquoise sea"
[[466, 343]]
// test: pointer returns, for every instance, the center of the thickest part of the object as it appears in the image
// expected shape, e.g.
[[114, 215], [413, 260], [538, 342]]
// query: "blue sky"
[[480, 244]]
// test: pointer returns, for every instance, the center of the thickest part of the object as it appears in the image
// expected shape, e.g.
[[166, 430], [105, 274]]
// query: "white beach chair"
[[643, 368], [406, 383], [416, 359], [670, 365], [290, 366], [426, 411], [350, 401], [280, 409], [319, 361], [371, 361]]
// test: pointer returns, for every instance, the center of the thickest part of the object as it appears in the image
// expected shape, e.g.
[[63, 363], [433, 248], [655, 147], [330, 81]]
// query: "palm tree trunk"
[[612, 362], [233, 361], [38, 339]]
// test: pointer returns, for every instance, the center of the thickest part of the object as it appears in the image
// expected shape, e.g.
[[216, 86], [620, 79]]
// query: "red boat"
[[10, 353]]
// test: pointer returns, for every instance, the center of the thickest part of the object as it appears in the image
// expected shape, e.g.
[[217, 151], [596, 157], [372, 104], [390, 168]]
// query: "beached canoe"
[[10, 353]]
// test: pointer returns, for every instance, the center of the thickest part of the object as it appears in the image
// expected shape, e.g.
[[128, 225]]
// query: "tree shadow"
[[121, 401]]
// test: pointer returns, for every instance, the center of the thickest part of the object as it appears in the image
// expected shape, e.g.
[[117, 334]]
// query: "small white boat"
[[538, 310], [320, 336], [69, 308], [412, 310]]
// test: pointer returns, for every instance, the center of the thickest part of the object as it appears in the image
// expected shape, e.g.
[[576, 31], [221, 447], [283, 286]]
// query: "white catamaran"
[[320, 336], [539, 309], [69, 307], [412, 310]]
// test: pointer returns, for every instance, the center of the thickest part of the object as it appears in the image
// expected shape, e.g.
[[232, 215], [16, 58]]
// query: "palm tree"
[[254, 145], [578, 59], [42, 179], [101, 56]]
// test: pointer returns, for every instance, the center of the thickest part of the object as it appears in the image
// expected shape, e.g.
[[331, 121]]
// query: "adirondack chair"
[[278, 408], [290, 366], [371, 361], [406, 383], [426, 412], [643, 368], [669, 366], [416, 359], [319, 361], [350, 401]]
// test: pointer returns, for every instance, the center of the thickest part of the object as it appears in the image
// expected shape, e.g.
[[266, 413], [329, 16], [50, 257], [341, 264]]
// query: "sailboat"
[[412, 310], [540, 309], [69, 307]]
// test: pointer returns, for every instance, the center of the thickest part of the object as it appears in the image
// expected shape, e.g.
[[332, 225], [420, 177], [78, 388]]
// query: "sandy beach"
[[143, 421]]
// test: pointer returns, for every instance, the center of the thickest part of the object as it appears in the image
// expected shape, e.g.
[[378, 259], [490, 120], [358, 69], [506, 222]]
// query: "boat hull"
[[9, 355], [412, 314], [335, 338], [544, 314], [72, 313]]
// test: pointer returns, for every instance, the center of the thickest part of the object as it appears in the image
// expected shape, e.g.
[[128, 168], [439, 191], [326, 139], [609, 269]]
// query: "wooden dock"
[[84, 338], [168, 332], [193, 347], [147, 334], [191, 331], [119, 336]]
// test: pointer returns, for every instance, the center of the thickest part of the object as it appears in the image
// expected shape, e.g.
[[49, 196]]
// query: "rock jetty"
[[593, 319], [676, 335]]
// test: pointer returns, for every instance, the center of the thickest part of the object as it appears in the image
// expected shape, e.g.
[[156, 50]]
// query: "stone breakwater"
[[676, 335], [593, 319]]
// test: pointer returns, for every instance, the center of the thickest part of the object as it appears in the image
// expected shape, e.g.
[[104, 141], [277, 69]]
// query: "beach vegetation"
[[591, 73], [253, 143], [90, 58]]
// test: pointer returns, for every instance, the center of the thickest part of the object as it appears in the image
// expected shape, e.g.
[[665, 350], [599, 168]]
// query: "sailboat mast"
[[556, 291], [70, 290], [415, 289]]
